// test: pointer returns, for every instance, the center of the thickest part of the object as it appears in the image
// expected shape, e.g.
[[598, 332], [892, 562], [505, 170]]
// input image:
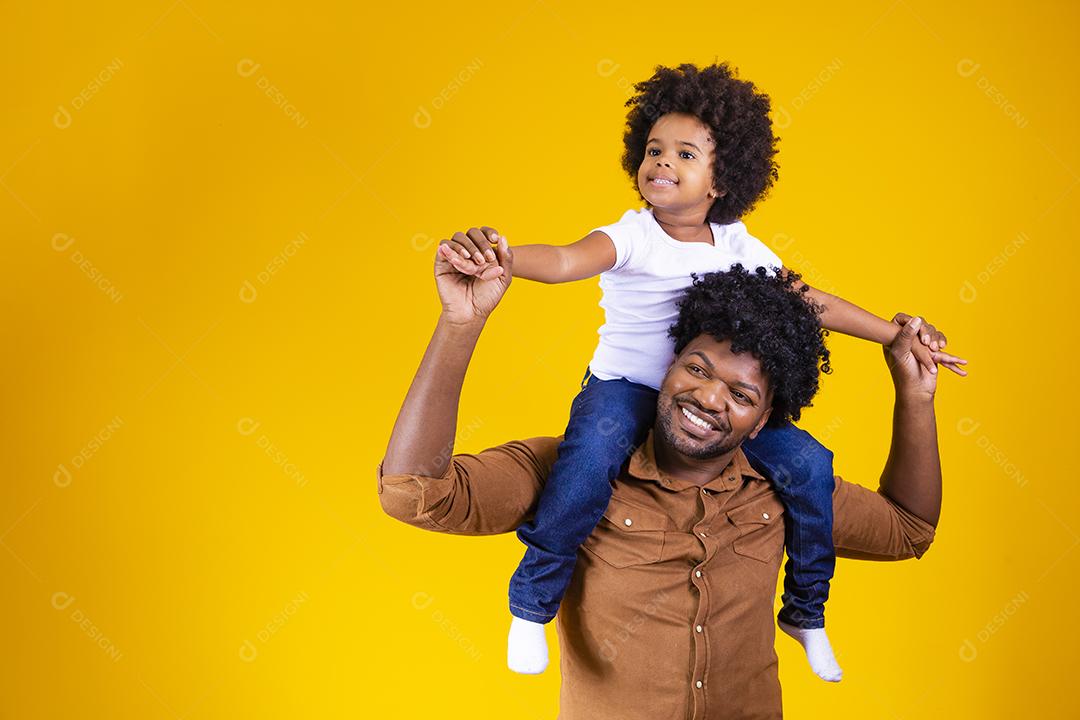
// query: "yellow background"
[[217, 286]]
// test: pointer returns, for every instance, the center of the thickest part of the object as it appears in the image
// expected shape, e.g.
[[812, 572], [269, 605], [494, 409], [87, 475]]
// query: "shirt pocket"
[[628, 534], [761, 530]]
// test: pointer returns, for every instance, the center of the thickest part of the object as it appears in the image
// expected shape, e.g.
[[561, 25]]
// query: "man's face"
[[712, 399]]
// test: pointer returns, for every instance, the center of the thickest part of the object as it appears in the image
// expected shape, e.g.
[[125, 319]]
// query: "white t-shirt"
[[651, 271]]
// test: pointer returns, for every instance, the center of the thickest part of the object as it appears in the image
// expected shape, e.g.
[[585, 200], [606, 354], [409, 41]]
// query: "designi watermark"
[[61, 242], [247, 427], [249, 651], [969, 292], [249, 293], [424, 116], [967, 68], [62, 601], [64, 115], [63, 475]]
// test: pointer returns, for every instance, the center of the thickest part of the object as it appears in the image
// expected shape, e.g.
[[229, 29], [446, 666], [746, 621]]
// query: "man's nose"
[[711, 398]]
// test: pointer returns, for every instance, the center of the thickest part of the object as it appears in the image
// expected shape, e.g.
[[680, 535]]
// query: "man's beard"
[[722, 444]]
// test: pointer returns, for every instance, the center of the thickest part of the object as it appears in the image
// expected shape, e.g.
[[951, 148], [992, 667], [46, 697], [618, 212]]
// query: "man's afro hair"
[[768, 316]]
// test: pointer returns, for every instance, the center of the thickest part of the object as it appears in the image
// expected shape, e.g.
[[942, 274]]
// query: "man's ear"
[[761, 423]]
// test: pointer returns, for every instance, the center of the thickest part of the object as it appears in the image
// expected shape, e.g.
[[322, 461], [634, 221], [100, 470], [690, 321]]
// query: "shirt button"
[[697, 573], [698, 628], [765, 515], [698, 683], [628, 522]]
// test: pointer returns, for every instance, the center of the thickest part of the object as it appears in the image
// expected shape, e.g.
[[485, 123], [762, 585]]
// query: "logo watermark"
[[249, 651], [61, 242], [63, 476], [248, 426], [62, 601], [967, 68], [423, 116], [969, 649], [785, 117], [247, 67], [969, 292], [968, 427], [248, 292], [64, 115], [423, 602]]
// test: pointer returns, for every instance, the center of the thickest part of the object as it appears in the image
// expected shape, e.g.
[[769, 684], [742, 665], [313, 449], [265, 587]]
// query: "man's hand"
[[909, 373], [472, 252], [912, 475], [467, 298], [931, 340]]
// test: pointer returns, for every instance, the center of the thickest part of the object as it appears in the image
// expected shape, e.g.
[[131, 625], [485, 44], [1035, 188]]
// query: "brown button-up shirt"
[[670, 610]]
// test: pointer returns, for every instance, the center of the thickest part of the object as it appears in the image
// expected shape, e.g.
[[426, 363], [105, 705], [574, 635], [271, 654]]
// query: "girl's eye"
[[690, 155], [653, 151]]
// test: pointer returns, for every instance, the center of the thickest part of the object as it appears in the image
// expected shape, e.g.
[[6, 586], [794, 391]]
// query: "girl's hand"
[[467, 300], [928, 348], [472, 253]]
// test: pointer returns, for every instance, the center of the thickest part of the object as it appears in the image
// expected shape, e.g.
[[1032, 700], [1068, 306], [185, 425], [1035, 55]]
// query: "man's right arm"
[[491, 492], [423, 437], [421, 481]]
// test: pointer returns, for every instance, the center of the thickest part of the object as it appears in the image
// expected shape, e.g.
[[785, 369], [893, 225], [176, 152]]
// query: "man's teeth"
[[696, 420]]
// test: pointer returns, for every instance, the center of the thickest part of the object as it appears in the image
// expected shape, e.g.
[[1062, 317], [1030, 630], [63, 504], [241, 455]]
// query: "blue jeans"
[[608, 420]]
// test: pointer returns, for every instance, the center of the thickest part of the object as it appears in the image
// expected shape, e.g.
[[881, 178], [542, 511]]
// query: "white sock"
[[818, 651], [526, 647]]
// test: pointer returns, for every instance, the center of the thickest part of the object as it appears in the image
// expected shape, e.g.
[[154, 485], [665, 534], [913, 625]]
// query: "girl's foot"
[[818, 651], [526, 647]]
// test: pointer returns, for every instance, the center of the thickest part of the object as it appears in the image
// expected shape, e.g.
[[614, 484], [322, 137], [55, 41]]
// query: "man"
[[669, 614]]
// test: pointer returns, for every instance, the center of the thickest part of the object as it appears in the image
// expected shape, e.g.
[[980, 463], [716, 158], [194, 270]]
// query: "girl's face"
[[676, 173]]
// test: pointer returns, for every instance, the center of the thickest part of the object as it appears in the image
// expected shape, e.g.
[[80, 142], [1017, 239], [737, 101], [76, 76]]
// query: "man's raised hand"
[[470, 297], [928, 346], [908, 371], [472, 253]]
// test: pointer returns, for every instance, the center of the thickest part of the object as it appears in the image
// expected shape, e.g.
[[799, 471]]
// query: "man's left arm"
[[898, 521]]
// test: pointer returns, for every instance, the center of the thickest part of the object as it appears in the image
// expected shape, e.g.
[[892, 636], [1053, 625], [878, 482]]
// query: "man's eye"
[[740, 397], [696, 370]]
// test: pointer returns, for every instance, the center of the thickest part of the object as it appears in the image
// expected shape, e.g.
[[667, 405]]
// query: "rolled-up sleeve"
[[488, 493], [867, 525]]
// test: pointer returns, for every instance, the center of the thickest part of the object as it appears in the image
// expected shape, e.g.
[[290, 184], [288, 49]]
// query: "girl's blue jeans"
[[608, 420]]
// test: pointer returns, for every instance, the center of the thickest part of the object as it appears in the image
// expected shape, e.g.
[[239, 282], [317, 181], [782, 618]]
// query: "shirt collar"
[[643, 467]]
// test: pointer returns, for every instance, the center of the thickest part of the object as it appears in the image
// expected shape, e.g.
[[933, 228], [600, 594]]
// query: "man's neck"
[[674, 464]]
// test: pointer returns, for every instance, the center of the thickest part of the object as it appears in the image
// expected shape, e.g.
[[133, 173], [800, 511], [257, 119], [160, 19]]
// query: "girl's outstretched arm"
[[845, 317], [586, 258]]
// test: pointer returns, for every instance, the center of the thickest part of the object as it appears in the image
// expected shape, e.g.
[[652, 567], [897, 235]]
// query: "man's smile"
[[697, 422]]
